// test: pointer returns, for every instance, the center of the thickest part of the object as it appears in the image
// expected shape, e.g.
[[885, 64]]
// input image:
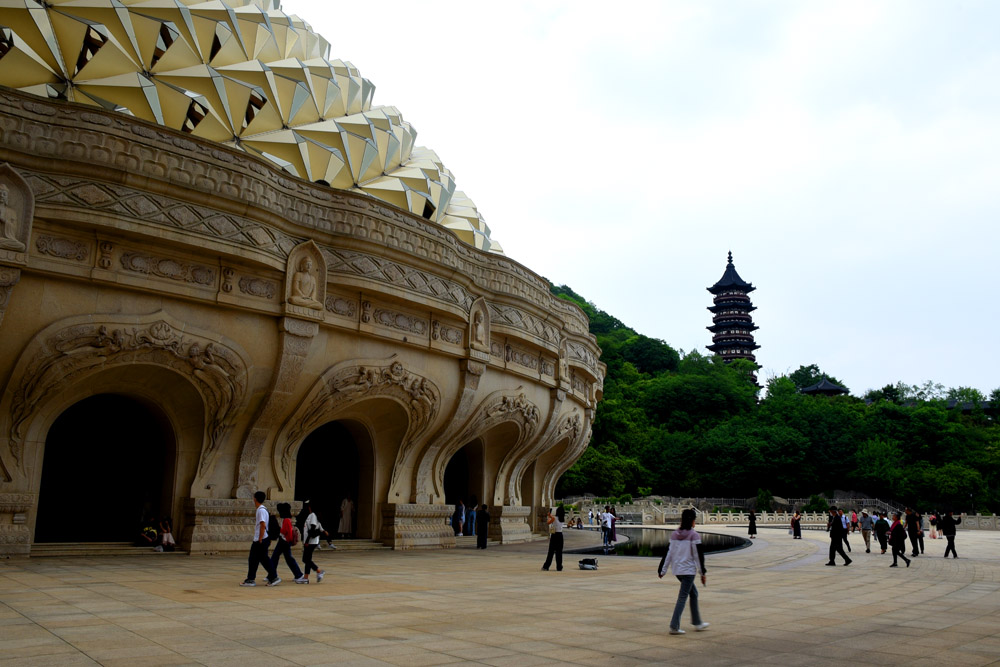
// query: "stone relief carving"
[[227, 279], [106, 248], [479, 327], [350, 262], [522, 357], [16, 213], [497, 349], [9, 277], [147, 207], [259, 287], [581, 353], [547, 366], [524, 321], [63, 248], [167, 268], [400, 321], [74, 351], [366, 311], [446, 333], [305, 281], [341, 306], [339, 387]]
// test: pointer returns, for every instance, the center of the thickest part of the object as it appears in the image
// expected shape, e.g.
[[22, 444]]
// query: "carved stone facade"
[[252, 310]]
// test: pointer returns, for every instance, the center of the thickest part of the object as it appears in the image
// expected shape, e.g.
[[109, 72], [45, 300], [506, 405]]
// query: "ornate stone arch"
[[498, 407], [343, 386], [573, 452], [75, 348], [567, 426]]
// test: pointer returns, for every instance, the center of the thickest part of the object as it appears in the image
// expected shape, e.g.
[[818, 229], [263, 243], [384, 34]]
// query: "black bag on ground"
[[588, 564]]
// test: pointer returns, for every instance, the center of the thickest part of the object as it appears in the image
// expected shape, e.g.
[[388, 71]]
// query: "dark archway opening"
[[118, 445], [456, 478], [328, 470]]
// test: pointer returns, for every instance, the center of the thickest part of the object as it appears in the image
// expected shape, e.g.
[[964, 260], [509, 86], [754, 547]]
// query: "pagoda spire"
[[732, 326]]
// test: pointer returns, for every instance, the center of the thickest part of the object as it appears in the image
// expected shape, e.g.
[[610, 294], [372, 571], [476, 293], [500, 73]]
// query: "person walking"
[[947, 525], [752, 529], [556, 524], [897, 540], [866, 530], [312, 530], [606, 525], [913, 530], [284, 545], [591, 514], [837, 531], [882, 531], [920, 531], [483, 527], [847, 524], [261, 541], [685, 557], [797, 526], [933, 521]]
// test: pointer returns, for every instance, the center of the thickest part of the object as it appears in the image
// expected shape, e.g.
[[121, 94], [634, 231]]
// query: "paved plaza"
[[773, 603]]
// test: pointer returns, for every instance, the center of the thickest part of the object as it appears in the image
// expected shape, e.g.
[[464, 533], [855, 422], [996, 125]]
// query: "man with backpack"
[[261, 541]]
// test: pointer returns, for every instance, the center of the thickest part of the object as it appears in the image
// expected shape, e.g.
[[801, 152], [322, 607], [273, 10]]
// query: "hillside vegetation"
[[687, 424]]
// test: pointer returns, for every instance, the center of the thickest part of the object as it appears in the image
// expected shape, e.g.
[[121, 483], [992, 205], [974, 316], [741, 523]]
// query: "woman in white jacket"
[[686, 557], [311, 531]]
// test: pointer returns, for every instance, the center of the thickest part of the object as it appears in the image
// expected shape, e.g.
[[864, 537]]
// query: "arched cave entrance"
[[335, 462], [463, 477], [110, 457]]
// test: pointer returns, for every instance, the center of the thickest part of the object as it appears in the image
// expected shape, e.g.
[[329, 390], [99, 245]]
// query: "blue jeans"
[[282, 548], [687, 590]]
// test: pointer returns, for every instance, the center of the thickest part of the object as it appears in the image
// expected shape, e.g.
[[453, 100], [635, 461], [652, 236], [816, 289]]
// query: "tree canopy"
[[689, 424]]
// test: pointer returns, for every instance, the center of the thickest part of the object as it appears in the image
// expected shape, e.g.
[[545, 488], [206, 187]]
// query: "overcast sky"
[[848, 153]]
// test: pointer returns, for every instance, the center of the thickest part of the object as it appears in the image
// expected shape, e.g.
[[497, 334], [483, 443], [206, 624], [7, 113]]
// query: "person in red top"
[[284, 545]]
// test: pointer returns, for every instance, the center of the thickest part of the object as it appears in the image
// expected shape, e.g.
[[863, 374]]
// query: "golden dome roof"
[[242, 73]]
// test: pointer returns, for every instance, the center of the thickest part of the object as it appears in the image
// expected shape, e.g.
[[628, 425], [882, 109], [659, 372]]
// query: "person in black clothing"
[[913, 530], [946, 525], [835, 526], [897, 540], [920, 532], [882, 531], [482, 527], [557, 523]]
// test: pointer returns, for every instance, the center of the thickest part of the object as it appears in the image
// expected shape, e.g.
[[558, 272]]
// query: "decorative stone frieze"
[[171, 269], [509, 523], [413, 526], [400, 321], [63, 248], [258, 287], [9, 277], [342, 306], [17, 205]]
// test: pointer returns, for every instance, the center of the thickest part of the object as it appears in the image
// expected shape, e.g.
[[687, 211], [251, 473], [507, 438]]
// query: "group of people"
[[285, 534], [471, 521], [157, 534], [608, 520], [892, 534]]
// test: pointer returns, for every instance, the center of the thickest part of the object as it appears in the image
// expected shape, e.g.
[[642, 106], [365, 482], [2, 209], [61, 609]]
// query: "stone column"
[[509, 523], [15, 538]]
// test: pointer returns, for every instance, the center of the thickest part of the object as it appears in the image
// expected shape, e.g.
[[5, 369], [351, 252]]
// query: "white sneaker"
[[678, 631], [319, 576], [701, 626], [248, 582], [301, 580], [274, 582]]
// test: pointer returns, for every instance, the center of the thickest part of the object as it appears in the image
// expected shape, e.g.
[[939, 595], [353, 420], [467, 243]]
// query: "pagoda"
[[732, 327]]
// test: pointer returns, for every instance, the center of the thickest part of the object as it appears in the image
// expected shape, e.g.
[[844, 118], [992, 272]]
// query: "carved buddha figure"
[[304, 286], [478, 329], [8, 222]]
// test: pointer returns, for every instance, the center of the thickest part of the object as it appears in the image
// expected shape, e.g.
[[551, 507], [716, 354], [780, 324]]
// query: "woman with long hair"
[[686, 557], [752, 528], [556, 538], [797, 526]]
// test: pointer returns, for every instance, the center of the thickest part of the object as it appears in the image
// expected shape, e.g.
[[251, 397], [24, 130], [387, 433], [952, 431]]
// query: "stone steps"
[[354, 545], [63, 549], [469, 542]]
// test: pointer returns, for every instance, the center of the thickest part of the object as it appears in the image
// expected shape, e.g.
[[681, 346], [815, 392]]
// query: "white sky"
[[848, 153]]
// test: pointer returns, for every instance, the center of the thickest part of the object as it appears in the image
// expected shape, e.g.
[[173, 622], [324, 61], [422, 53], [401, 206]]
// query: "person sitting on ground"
[[148, 537], [166, 535]]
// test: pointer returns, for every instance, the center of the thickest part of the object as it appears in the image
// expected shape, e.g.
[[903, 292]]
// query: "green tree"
[[809, 375]]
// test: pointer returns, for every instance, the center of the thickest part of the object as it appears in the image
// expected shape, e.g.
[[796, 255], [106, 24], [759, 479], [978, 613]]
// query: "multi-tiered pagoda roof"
[[732, 326]]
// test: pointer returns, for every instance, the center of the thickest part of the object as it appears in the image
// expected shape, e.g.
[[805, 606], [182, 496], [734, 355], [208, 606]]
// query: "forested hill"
[[689, 425]]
